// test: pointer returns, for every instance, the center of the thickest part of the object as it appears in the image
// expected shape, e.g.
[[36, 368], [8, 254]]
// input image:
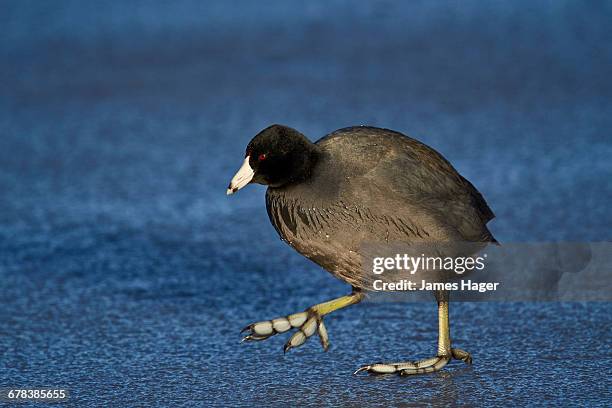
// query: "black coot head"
[[276, 156]]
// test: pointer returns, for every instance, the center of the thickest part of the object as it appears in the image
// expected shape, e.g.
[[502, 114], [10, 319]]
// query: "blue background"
[[126, 273]]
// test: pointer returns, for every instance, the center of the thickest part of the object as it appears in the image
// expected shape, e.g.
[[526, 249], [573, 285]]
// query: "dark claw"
[[249, 327], [253, 337], [360, 369]]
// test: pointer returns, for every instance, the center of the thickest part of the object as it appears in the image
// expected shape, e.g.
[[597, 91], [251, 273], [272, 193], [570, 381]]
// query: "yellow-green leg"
[[444, 355], [307, 323]]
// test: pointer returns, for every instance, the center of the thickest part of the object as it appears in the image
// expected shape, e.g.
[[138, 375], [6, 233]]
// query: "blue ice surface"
[[126, 273]]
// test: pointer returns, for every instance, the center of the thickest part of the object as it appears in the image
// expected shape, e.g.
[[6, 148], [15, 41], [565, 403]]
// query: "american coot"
[[359, 184]]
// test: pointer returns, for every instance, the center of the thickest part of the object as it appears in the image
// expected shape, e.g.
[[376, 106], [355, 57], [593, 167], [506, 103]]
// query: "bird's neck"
[[304, 164]]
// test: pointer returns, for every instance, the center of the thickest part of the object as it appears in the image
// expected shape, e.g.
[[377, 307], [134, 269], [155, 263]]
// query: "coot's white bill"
[[242, 177]]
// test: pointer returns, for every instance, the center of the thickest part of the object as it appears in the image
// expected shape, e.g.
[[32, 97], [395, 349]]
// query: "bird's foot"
[[306, 323], [428, 365]]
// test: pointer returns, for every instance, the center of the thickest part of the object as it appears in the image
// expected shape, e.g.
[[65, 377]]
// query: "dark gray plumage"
[[372, 185]]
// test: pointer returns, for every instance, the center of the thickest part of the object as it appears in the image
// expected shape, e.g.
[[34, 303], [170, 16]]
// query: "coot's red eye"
[[262, 157]]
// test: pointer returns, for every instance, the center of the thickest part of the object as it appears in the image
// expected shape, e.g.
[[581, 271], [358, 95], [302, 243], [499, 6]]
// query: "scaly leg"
[[307, 322], [429, 365]]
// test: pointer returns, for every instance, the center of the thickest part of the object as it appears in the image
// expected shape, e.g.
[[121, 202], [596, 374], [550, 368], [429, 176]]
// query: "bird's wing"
[[410, 184]]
